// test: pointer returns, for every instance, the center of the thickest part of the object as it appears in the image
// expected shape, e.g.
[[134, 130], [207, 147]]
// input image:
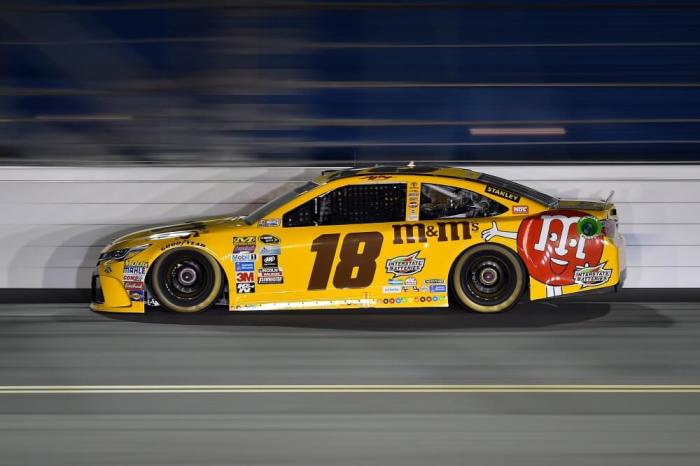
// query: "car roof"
[[439, 171]]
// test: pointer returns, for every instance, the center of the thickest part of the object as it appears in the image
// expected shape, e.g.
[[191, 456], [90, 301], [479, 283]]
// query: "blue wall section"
[[349, 81]]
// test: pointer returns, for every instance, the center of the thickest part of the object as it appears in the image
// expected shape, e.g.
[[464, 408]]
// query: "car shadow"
[[524, 316]]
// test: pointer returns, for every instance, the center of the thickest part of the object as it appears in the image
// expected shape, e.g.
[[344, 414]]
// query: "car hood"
[[164, 231]]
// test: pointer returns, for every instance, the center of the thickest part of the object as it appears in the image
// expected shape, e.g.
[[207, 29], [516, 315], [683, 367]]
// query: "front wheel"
[[186, 280], [488, 278]]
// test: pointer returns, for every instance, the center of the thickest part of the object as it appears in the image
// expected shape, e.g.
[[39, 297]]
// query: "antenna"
[[610, 196]]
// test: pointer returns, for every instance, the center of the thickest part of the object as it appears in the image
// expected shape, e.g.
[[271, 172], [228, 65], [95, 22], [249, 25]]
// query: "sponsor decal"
[[438, 289], [592, 276], [395, 281], [136, 295], [269, 239], [245, 288], [270, 272], [245, 277], [244, 240], [434, 281], [269, 222], [133, 285], [409, 289], [183, 242], [442, 231], [135, 268], [413, 204], [410, 281], [376, 177], [270, 251], [521, 209], [405, 265], [133, 278], [270, 280], [244, 266], [243, 257], [269, 261], [500, 192], [243, 248], [551, 247], [108, 268], [391, 289]]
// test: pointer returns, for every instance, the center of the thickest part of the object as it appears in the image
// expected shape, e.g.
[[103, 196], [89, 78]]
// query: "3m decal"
[[521, 209], [405, 265], [184, 242], [245, 277], [269, 261], [357, 264], [270, 222], [269, 239], [592, 276], [443, 231], [242, 288], [244, 240], [500, 192], [244, 266]]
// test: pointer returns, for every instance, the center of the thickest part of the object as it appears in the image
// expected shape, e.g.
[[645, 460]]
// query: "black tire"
[[186, 280], [488, 278]]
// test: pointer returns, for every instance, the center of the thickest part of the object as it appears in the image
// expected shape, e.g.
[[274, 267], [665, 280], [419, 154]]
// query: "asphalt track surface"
[[561, 383]]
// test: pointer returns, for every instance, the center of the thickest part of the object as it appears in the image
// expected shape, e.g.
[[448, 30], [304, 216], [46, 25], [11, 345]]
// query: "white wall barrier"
[[55, 220]]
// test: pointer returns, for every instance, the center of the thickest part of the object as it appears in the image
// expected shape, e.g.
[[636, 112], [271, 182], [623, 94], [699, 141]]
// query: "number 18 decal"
[[359, 253]]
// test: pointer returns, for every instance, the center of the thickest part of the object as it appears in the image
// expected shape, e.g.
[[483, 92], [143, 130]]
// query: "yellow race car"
[[376, 237]]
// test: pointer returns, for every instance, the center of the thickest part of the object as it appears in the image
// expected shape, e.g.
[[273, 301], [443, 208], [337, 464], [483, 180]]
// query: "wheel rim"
[[488, 280], [187, 279]]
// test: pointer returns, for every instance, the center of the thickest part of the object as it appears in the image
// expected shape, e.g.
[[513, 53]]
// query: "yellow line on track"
[[139, 389]]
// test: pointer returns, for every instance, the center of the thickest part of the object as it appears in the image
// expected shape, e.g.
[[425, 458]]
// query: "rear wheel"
[[186, 280], [488, 278]]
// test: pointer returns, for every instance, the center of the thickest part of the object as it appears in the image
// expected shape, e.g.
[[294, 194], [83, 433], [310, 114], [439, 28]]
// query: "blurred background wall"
[[115, 114]]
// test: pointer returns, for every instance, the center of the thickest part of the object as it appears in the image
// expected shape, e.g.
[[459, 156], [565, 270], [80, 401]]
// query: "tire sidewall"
[[507, 255], [162, 295]]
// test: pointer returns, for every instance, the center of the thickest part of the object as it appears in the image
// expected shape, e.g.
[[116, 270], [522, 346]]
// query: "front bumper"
[[108, 295]]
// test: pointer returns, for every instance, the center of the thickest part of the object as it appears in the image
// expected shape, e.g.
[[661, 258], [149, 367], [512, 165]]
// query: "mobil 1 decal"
[[554, 253]]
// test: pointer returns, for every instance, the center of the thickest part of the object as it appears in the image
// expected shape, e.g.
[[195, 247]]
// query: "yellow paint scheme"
[[296, 259]]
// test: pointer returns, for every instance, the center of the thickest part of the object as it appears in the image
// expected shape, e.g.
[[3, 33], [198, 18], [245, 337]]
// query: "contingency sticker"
[[405, 265]]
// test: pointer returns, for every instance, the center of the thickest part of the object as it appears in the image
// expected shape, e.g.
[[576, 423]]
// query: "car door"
[[333, 247]]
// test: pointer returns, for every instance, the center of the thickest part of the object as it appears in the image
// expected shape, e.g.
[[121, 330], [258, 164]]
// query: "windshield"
[[278, 202]]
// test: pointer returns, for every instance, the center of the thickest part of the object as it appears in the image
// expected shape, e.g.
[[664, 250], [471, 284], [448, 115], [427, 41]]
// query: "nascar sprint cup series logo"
[[405, 265]]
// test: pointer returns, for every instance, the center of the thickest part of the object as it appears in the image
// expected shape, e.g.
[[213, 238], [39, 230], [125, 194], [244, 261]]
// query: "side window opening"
[[441, 201], [362, 203]]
